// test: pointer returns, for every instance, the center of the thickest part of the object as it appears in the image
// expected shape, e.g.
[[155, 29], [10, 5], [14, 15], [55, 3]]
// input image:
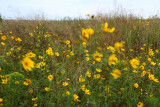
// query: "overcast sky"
[[58, 9]]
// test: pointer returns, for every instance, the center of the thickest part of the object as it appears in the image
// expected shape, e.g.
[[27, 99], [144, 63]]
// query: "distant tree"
[[0, 18]]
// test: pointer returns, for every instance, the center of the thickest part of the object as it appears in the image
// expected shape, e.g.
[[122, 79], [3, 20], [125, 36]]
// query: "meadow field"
[[94, 62]]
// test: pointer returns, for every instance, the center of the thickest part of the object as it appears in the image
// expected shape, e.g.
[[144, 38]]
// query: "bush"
[[0, 20]]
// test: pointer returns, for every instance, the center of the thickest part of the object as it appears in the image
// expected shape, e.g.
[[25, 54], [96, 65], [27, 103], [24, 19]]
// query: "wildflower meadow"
[[96, 62]]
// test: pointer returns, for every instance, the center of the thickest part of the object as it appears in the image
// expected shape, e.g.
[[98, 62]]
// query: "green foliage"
[[111, 69], [0, 18], [11, 91], [0, 21]]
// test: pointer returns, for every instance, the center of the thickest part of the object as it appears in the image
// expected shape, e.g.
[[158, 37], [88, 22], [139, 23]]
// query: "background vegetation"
[[119, 68]]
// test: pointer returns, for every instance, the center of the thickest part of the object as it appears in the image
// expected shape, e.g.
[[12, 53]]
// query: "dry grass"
[[146, 31]]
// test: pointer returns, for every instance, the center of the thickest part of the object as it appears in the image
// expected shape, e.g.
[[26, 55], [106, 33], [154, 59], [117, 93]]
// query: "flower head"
[[18, 39], [87, 92], [140, 104], [49, 51], [136, 85], [65, 83], [97, 76], [76, 97], [1, 100], [118, 45], [90, 31], [28, 64], [67, 42], [50, 77], [85, 33], [47, 89], [97, 56], [112, 59], [151, 53], [30, 54], [88, 74], [116, 73], [68, 93], [27, 82], [134, 62], [106, 29], [3, 37]]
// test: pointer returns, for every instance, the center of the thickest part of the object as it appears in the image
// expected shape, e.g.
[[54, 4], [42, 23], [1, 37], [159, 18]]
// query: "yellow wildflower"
[[18, 39], [65, 83], [28, 64], [16, 82], [86, 51], [40, 57], [85, 33], [116, 73], [151, 76], [153, 63], [112, 59], [12, 37], [136, 85], [106, 29], [27, 82], [30, 54], [75, 97], [47, 89], [155, 80], [87, 58], [143, 73], [98, 70], [84, 44], [3, 37], [90, 31], [135, 71], [35, 105], [149, 59], [49, 51], [81, 79], [118, 45], [97, 76], [67, 56], [1, 100], [83, 87], [140, 104], [33, 99], [67, 92], [71, 53], [97, 56], [67, 42], [50, 77], [151, 53], [30, 34], [142, 67], [134, 62], [88, 74], [2, 43], [4, 81], [144, 64], [87, 91], [111, 48], [56, 53]]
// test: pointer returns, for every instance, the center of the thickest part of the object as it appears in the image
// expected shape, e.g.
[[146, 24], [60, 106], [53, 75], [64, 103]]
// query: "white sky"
[[58, 9]]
